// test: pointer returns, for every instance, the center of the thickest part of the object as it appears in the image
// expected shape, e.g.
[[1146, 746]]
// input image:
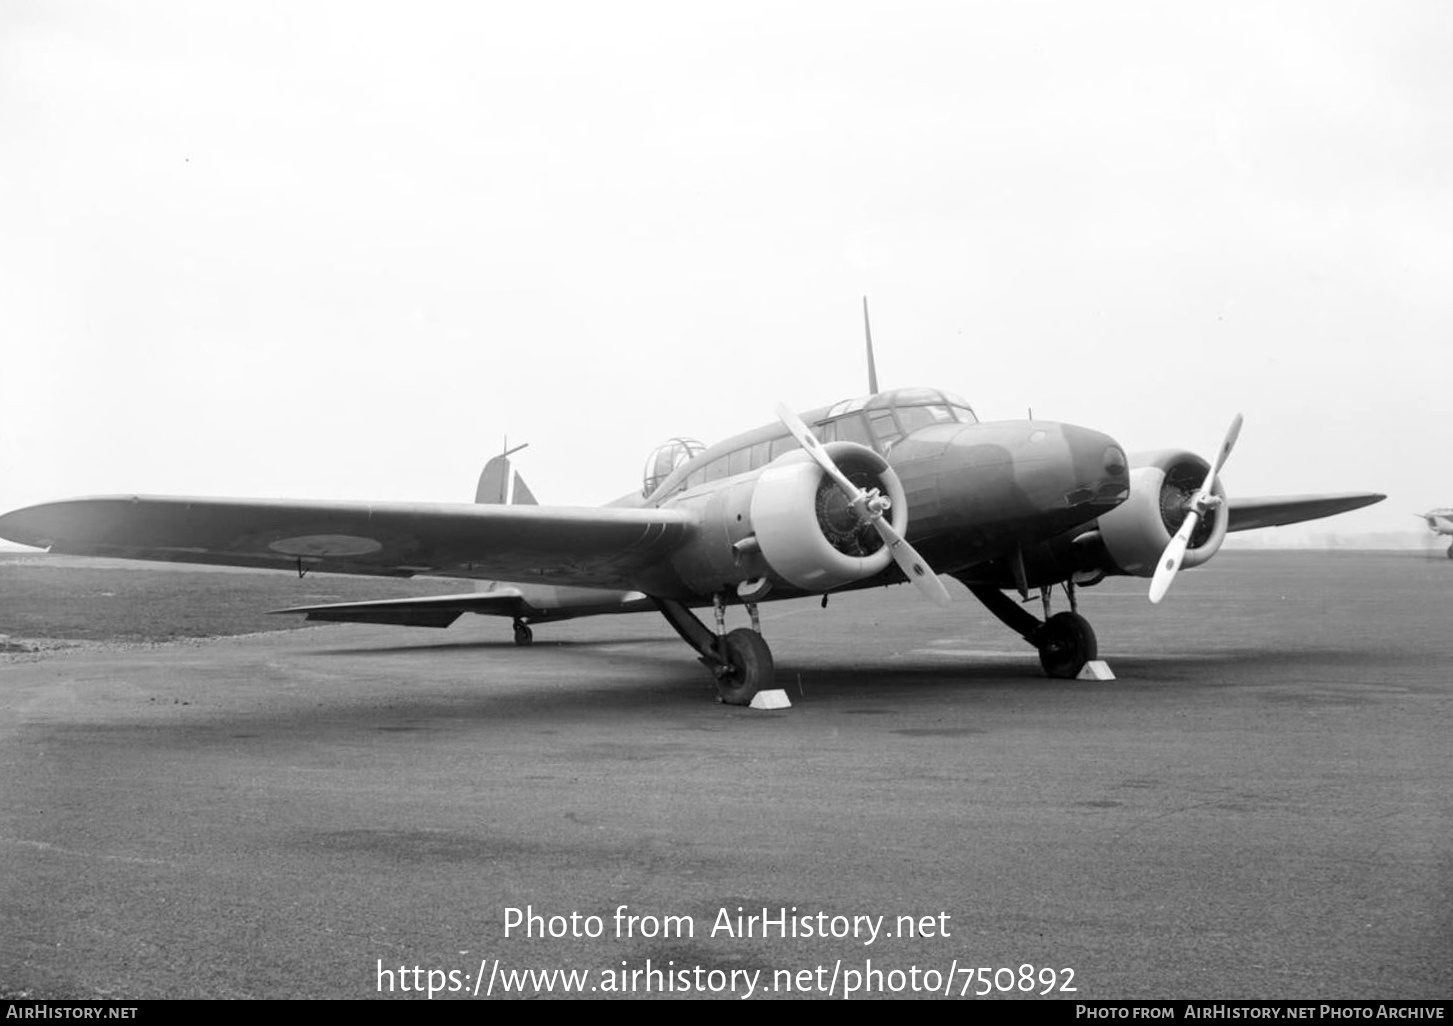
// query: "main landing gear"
[[1066, 641], [523, 634], [740, 661]]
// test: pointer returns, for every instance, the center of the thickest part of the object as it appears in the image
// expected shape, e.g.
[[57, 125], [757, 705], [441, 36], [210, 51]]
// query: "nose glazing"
[[1100, 471]]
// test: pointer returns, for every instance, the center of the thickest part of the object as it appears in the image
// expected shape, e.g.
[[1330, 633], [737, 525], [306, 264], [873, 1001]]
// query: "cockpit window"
[[877, 421], [848, 406], [880, 422], [963, 412], [911, 418], [914, 396], [893, 414]]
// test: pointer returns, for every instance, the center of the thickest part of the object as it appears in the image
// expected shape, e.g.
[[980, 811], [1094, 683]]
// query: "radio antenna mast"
[[868, 333]]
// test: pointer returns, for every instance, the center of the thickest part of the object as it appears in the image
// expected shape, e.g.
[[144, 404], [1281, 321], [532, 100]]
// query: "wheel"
[[1066, 643], [1450, 551], [749, 667], [523, 634]]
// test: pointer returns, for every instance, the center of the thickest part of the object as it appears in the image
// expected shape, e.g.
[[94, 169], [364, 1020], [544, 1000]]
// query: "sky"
[[345, 250]]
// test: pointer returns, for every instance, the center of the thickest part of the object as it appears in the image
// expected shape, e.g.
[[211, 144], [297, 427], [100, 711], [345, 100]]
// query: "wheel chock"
[[775, 698], [1095, 669]]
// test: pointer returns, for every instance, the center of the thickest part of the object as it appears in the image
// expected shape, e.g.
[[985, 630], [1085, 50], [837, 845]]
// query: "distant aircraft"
[[898, 485], [1440, 521]]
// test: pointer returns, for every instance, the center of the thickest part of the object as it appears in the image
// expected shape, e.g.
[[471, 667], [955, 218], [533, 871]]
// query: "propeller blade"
[[911, 563], [914, 567], [808, 441], [1170, 560], [1232, 433], [1175, 552]]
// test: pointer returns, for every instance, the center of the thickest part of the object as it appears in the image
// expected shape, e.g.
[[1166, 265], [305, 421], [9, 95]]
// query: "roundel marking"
[[325, 545]]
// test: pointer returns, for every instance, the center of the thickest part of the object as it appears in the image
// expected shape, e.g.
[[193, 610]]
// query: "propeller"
[[1203, 503], [871, 505]]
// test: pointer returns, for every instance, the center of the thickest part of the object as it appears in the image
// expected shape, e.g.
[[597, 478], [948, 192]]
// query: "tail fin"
[[501, 485]]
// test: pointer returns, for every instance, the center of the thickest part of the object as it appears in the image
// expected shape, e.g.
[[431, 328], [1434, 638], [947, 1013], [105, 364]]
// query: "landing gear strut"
[[1066, 641], [523, 634], [739, 661]]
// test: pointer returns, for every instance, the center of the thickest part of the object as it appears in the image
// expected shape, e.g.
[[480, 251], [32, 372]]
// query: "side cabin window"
[[739, 461], [716, 469]]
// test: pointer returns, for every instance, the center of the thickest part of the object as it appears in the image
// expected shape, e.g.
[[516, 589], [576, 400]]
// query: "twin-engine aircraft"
[[1440, 521], [897, 486]]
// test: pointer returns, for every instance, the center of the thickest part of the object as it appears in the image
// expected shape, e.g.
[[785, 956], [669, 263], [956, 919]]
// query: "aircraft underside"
[[741, 661]]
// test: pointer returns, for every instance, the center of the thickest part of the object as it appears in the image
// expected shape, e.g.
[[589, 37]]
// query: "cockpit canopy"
[[879, 420], [665, 458]]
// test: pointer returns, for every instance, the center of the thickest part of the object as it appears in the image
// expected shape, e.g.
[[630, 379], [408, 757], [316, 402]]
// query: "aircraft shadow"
[[664, 697], [655, 682]]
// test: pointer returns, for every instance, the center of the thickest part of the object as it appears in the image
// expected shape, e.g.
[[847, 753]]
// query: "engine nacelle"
[[790, 524], [1162, 485], [808, 532]]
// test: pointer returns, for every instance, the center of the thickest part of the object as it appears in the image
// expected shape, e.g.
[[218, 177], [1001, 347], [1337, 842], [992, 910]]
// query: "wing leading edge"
[[605, 547], [1275, 511]]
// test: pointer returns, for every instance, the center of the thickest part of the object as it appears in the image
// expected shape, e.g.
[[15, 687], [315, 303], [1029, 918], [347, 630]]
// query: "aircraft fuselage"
[[975, 492]]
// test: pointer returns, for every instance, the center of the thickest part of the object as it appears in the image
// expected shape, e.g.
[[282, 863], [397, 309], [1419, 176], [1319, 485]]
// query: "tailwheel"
[[1066, 643], [523, 634], [747, 668]]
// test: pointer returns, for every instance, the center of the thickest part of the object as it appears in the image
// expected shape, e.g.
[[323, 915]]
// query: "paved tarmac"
[[1258, 807]]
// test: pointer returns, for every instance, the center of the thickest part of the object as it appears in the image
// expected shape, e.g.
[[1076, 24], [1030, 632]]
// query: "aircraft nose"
[[1099, 469], [1051, 474]]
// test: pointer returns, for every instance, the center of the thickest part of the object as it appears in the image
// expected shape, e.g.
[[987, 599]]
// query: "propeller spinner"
[[871, 506], [1203, 503]]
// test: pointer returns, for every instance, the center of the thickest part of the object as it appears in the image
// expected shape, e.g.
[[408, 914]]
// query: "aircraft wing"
[[1274, 511], [604, 547]]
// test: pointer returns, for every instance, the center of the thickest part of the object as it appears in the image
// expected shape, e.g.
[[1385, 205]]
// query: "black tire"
[[1066, 643], [1450, 551], [523, 634], [749, 667]]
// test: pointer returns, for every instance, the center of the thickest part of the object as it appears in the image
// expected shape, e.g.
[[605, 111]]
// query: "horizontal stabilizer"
[[1274, 511], [425, 611]]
